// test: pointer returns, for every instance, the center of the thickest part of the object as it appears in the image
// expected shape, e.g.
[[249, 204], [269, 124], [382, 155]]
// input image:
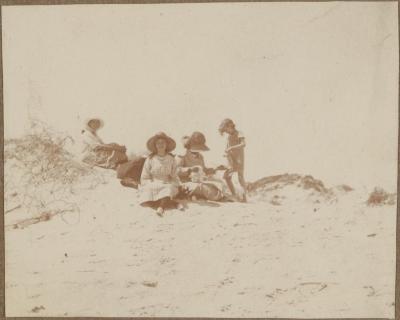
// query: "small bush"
[[380, 197], [40, 174]]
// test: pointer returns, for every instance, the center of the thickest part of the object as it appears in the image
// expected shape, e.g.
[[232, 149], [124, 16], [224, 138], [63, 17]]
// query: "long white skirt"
[[156, 190]]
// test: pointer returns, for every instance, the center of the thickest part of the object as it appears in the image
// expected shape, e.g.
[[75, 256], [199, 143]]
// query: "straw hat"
[[151, 143], [197, 142], [87, 122]]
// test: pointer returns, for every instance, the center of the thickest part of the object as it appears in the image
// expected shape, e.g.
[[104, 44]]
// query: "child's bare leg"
[[242, 181], [228, 179], [243, 184]]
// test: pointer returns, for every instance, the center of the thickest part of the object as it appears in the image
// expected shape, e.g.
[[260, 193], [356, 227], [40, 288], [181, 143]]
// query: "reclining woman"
[[97, 153], [192, 172], [159, 181]]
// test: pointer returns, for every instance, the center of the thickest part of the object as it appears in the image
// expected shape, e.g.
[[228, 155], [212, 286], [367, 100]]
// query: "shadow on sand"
[[203, 203]]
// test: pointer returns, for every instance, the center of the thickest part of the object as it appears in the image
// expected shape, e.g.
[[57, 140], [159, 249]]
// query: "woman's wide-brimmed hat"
[[197, 142], [88, 121], [151, 143]]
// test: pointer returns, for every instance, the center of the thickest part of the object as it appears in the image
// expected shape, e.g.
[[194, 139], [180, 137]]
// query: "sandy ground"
[[285, 254]]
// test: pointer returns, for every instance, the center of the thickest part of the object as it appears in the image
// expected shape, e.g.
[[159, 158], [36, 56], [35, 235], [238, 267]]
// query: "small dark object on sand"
[[37, 309], [150, 284]]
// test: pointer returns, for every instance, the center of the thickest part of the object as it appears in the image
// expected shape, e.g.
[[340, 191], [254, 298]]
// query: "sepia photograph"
[[222, 160]]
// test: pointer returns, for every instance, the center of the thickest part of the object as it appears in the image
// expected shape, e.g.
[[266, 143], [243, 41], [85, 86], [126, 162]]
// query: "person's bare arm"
[[242, 144]]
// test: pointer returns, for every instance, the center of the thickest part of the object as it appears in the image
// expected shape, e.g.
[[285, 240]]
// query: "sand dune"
[[297, 249], [289, 252]]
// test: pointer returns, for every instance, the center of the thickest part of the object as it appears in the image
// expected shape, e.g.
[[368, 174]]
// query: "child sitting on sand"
[[195, 177], [235, 153]]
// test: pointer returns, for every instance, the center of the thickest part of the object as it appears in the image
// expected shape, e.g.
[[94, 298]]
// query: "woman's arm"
[[174, 173], [91, 140], [146, 172]]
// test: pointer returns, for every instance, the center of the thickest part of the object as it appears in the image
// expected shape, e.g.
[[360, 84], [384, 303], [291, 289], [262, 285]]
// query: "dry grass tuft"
[[380, 197], [41, 175]]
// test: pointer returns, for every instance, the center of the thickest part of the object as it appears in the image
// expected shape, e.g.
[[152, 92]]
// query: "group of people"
[[163, 178]]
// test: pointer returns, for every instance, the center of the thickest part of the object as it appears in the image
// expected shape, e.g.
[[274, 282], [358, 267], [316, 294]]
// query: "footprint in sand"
[[311, 287], [130, 284], [226, 307], [371, 290], [37, 309], [226, 281]]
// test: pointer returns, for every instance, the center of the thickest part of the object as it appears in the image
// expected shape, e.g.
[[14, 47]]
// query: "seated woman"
[[95, 152], [196, 177], [159, 181]]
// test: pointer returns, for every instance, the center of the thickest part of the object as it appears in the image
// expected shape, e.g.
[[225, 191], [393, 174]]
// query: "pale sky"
[[313, 86]]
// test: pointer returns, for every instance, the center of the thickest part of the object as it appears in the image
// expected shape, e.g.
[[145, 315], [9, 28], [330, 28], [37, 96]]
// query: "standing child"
[[235, 153]]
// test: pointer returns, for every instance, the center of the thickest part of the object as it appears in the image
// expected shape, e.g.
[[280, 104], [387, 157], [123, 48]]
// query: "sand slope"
[[295, 250]]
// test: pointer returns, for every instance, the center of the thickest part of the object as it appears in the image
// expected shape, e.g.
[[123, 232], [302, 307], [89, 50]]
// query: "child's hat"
[[197, 142]]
